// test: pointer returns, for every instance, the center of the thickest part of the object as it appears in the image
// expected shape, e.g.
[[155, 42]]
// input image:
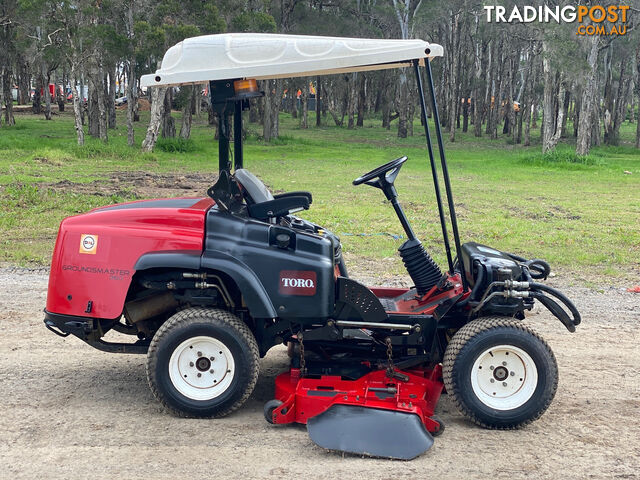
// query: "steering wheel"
[[381, 171]]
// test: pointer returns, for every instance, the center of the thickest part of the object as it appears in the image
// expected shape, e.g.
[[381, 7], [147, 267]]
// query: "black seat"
[[256, 190], [262, 204]]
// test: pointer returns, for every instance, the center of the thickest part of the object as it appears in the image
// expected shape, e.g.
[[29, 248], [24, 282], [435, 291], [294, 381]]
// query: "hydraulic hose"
[[556, 310], [540, 269], [560, 296], [476, 286]]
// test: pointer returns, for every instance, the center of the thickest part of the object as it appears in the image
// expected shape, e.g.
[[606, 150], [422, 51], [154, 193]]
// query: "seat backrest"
[[256, 190]]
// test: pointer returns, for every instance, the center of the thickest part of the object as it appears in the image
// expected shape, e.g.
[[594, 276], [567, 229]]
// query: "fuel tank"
[[95, 253]]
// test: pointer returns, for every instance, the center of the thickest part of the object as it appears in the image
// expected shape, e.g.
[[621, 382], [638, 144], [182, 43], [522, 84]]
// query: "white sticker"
[[88, 244]]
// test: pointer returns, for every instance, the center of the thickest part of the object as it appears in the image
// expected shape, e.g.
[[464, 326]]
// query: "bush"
[[563, 156], [176, 145]]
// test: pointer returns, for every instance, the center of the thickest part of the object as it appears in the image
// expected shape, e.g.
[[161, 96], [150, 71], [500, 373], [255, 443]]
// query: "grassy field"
[[582, 216]]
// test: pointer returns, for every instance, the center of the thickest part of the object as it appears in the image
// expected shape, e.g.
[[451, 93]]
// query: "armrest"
[[295, 194], [278, 207]]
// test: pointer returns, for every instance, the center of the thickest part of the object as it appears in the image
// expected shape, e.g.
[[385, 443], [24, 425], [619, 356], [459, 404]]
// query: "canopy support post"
[[224, 128], [237, 135], [436, 183], [445, 173]]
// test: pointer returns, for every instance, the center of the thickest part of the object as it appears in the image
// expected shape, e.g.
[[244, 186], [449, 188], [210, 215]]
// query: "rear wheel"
[[500, 373], [203, 362]]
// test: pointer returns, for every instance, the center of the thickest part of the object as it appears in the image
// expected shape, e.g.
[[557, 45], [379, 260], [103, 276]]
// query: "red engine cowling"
[[95, 253]]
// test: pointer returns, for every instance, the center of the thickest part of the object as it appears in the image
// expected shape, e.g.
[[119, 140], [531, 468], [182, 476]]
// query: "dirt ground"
[[69, 411]]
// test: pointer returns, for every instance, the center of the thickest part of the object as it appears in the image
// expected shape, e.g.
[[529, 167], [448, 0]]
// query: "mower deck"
[[327, 403]]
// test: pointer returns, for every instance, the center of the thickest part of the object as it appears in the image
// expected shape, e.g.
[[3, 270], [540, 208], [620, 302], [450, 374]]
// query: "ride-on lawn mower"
[[207, 286]]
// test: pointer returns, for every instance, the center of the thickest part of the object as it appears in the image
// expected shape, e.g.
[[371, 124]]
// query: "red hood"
[[95, 253]]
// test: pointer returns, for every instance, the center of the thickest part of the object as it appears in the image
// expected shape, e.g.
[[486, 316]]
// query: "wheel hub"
[[201, 368], [500, 373], [504, 377], [203, 364]]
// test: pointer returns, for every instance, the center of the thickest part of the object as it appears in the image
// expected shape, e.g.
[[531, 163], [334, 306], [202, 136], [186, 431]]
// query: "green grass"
[[582, 214]]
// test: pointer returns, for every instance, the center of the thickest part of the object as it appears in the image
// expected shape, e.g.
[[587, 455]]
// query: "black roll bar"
[[238, 153], [436, 184], [445, 170]]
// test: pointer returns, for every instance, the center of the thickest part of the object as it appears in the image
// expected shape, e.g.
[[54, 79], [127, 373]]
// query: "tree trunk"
[[362, 100], [293, 98], [46, 76], [565, 103], [168, 122], [549, 118], [353, 99], [60, 97], [9, 119], [77, 104], [132, 99], [37, 95], [93, 112], [185, 128], [198, 100], [638, 92], [402, 104], [110, 96], [454, 87], [24, 81], [102, 105], [496, 107], [587, 103], [158, 95], [318, 106], [272, 105], [304, 99], [620, 105]]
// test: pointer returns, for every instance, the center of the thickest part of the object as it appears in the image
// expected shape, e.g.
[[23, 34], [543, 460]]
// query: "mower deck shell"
[[304, 398]]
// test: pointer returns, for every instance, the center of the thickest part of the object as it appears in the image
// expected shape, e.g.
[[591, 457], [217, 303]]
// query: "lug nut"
[[512, 373], [504, 384], [199, 374], [492, 380], [211, 371], [211, 358], [504, 363], [491, 367], [199, 354], [191, 364]]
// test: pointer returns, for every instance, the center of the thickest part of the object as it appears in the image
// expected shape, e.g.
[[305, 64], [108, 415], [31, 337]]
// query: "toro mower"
[[206, 286]]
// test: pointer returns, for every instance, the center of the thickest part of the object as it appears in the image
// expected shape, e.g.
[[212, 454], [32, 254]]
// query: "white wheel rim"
[[201, 368], [504, 377]]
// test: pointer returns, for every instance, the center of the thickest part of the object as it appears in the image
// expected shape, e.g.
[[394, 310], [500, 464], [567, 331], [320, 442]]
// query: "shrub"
[[176, 145]]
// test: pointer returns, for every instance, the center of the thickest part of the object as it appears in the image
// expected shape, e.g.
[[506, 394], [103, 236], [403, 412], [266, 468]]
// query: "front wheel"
[[500, 373], [203, 362]]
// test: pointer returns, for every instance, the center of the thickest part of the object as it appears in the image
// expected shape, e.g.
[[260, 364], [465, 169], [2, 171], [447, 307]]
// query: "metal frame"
[[445, 170]]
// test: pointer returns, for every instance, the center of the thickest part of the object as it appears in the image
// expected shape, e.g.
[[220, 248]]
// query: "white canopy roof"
[[264, 55]]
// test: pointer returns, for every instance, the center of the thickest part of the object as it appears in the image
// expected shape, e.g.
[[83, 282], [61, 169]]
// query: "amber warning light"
[[246, 88]]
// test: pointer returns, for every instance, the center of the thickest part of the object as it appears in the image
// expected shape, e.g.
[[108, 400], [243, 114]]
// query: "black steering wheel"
[[381, 171]]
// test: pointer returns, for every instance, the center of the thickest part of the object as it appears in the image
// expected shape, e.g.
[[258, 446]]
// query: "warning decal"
[[88, 243]]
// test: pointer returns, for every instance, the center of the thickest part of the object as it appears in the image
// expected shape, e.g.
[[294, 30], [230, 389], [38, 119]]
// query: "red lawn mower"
[[206, 286]]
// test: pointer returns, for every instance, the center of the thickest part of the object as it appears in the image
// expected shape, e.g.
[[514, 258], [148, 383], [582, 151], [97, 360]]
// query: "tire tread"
[[195, 315], [460, 340]]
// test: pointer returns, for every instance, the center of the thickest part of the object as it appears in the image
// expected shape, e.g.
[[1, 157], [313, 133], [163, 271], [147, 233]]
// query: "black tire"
[[471, 344], [238, 361], [268, 409]]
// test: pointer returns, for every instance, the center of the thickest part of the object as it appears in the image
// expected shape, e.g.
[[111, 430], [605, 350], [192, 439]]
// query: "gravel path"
[[70, 411]]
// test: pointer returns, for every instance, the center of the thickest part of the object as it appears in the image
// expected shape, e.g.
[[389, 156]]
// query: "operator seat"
[[257, 191], [262, 204]]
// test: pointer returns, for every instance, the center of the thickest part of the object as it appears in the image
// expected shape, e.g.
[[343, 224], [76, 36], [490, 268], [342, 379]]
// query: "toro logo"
[[297, 282]]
